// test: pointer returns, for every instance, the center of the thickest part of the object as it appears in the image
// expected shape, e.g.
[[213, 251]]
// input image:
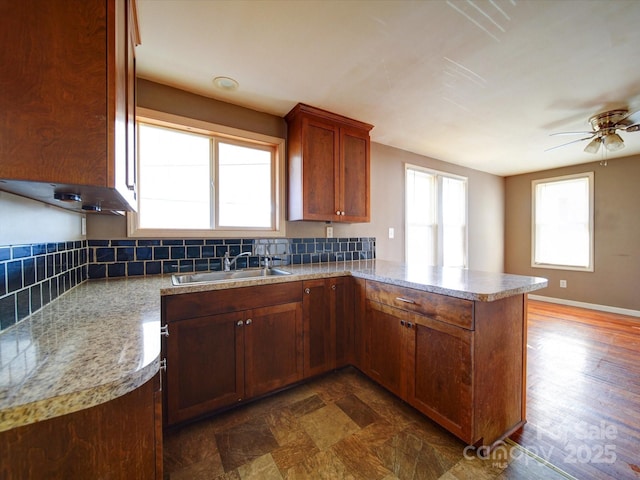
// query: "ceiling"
[[478, 83]]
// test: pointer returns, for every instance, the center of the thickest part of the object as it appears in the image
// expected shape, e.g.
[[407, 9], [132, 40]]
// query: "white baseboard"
[[591, 306]]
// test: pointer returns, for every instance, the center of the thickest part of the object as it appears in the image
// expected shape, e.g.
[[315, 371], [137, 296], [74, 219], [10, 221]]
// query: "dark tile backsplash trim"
[[33, 275], [126, 258]]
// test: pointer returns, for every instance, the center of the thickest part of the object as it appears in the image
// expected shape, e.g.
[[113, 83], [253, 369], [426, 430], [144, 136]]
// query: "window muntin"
[[436, 218], [200, 179], [562, 220]]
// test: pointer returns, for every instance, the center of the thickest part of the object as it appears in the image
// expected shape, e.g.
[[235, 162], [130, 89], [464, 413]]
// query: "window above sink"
[[206, 180]]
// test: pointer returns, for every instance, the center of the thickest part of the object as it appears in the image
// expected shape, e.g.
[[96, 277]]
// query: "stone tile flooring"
[[339, 426]]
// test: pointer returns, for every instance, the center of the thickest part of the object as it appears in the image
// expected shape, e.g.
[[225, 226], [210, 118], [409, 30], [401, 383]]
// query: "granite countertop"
[[96, 342], [454, 282], [101, 339]]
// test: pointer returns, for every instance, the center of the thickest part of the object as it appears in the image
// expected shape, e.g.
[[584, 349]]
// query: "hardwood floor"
[[583, 391]]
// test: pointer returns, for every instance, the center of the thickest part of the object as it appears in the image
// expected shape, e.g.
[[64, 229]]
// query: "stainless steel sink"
[[232, 275]]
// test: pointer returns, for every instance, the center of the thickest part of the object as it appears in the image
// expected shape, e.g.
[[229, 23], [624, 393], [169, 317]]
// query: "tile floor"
[[339, 426]]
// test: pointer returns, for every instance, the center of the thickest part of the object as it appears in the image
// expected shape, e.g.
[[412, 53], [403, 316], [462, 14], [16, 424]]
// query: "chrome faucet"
[[229, 262]]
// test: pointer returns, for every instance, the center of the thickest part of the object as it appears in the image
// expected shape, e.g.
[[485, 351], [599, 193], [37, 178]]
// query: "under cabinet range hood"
[[78, 198]]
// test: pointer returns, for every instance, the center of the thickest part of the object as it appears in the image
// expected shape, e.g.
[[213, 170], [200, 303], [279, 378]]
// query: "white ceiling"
[[479, 83]]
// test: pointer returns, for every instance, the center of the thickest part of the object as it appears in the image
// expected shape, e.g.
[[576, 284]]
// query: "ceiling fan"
[[604, 126]]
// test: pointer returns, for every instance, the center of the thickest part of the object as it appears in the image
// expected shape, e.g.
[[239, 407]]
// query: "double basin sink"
[[206, 277]]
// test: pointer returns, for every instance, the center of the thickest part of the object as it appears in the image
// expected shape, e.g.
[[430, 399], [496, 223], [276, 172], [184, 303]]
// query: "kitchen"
[[498, 209]]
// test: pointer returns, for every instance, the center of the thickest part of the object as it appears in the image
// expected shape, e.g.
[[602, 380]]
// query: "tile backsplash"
[[33, 275]]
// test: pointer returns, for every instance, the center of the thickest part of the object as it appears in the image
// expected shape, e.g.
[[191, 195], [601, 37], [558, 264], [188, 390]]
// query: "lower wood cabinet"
[[222, 358], [468, 379], [386, 348], [328, 324], [119, 439], [460, 362]]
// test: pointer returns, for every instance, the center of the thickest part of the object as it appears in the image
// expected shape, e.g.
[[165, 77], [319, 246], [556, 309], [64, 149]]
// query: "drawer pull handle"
[[164, 330], [405, 300]]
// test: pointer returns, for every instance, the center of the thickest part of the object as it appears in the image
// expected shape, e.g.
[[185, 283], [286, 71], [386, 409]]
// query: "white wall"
[[28, 221]]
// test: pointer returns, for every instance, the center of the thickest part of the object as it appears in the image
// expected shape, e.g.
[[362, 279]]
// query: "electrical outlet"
[[392, 232], [563, 284], [329, 232]]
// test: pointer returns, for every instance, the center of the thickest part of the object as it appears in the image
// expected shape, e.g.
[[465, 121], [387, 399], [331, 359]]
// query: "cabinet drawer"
[[200, 304], [455, 311]]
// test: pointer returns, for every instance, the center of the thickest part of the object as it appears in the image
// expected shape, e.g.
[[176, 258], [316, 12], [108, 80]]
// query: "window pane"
[[436, 219], [562, 223], [454, 214], [421, 218], [174, 179], [245, 189]]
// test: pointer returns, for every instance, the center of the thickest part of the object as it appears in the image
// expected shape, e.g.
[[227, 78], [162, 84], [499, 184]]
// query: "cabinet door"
[[319, 328], [205, 365], [54, 92], [341, 308], [320, 169], [273, 347], [441, 384], [354, 175], [385, 350]]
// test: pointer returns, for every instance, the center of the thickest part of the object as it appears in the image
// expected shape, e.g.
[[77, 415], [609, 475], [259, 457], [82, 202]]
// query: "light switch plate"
[[392, 232]]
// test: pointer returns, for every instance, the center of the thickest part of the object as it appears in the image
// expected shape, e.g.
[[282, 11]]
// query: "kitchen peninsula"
[[99, 343]]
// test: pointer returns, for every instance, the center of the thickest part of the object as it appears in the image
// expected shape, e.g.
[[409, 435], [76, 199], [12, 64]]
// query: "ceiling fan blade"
[[628, 119], [571, 133], [569, 143], [631, 128]]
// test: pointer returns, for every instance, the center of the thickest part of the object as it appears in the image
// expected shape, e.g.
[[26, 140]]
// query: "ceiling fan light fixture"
[[593, 146], [613, 142]]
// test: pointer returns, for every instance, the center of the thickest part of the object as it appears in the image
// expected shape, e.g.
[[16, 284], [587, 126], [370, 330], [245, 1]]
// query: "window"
[[198, 179], [436, 218], [563, 222]]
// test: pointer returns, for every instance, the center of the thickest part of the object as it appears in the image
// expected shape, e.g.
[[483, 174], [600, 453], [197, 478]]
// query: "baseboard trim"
[[591, 306]]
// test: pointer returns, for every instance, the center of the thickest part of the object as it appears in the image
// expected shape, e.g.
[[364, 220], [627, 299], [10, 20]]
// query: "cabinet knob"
[[337, 212], [248, 322], [307, 291], [341, 213], [409, 325], [333, 287], [239, 323], [403, 323]]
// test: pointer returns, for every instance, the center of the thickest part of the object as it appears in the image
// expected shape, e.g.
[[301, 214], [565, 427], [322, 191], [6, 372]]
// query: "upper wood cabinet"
[[328, 165], [68, 102]]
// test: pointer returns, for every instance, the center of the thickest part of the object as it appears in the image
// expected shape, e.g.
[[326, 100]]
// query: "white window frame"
[[534, 183], [439, 217], [223, 133]]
